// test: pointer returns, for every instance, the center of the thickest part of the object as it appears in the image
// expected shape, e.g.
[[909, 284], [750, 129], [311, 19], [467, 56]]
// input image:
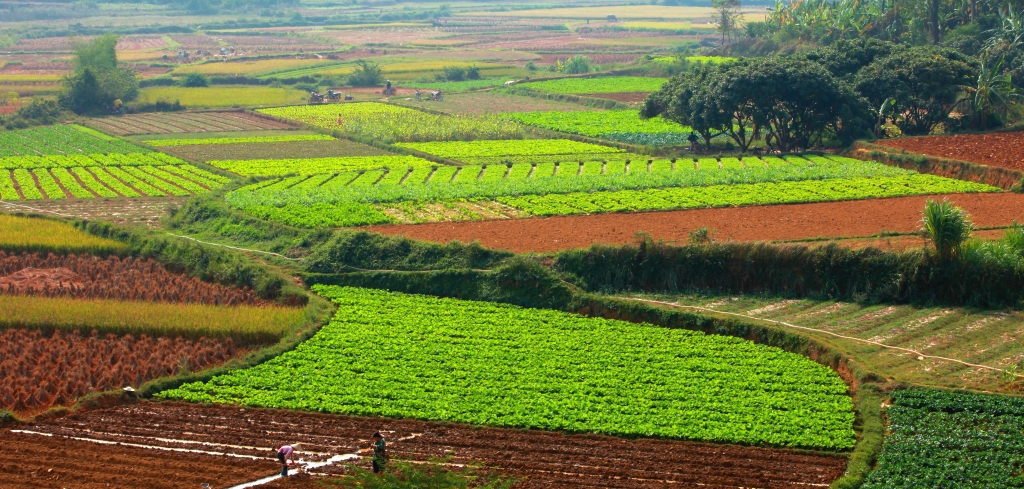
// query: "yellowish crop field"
[[621, 12], [222, 96], [28, 78]]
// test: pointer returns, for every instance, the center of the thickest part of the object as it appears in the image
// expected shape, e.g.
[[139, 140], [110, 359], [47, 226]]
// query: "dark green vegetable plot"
[[409, 356], [960, 440]]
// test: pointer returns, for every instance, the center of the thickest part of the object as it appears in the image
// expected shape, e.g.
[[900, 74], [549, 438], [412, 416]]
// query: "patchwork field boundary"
[[1004, 178]]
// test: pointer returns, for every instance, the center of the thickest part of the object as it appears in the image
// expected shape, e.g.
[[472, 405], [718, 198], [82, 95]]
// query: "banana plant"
[[992, 91], [882, 114]]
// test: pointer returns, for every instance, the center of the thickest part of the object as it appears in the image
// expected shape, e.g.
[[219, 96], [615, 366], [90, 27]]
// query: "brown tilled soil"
[[754, 223], [143, 210], [1003, 149], [57, 462], [540, 459]]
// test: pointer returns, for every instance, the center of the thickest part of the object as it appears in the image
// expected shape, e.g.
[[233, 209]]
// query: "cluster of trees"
[[97, 81], [837, 93]]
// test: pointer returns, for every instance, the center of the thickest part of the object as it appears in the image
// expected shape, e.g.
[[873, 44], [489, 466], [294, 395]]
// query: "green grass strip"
[[495, 364], [251, 139]]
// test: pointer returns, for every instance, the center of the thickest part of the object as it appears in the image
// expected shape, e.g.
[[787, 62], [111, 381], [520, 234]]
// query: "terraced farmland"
[[610, 84], [616, 125], [502, 191]]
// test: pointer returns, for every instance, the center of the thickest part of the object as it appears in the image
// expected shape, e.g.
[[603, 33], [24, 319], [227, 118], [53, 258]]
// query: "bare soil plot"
[[286, 149], [142, 210], [183, 122], [48, 462], [1002, 149], [542, 459], [754, 223], [627, 97]]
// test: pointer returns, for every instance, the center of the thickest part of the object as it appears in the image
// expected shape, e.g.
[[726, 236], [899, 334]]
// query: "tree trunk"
[[934, 20]]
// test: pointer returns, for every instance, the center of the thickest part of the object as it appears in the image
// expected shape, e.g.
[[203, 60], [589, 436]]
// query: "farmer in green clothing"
[[380, 456]]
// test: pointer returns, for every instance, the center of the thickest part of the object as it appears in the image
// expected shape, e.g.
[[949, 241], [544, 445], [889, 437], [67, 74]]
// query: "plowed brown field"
[[1004, 149], [540, 459], [754, 223]]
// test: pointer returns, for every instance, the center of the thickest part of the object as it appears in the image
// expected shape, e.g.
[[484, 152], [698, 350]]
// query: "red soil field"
[[55, 462], [40, 370], [541, 459], [91, 277], [1003, 149], [753, 223]]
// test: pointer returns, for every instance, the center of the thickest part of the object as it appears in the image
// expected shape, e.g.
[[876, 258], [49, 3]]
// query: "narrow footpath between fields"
[[859, 218]]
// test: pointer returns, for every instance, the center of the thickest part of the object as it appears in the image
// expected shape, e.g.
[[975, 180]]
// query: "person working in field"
[[380, 456], [387, 88], [286, 455], [692, 138]]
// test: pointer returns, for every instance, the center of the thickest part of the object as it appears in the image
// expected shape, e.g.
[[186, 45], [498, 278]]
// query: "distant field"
[[610, 84], [287, 149], [654, 12], [257, 67], [184, 122], [222, 96]]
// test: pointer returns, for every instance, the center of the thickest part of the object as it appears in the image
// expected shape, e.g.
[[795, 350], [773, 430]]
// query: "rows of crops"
[[501, 365], [390, 123], [460, 150], [87, 182], [313, 166], [184, 122], [610, 84], [940, 439], [616, 125], [71, 161], [61, 140]]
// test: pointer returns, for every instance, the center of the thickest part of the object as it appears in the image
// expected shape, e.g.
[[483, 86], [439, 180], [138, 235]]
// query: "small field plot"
[[653, 12], [253, 67], [502, 191], [617, 125], [389, 123], [61, 140], [611, 84], [532, 150], [1002, 149], [573, 373], [312, 166], [538, 458], [223, 96], [979, 337], [239, 140], [491, 102], [18, 234], [184, 122], [940, 439]]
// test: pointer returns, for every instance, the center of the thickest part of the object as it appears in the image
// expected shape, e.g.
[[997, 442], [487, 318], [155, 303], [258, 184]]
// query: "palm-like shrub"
[[947, 226]]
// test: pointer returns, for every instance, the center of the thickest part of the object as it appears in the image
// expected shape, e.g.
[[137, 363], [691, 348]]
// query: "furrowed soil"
[[538, 458], [1001, 149], [859, 218], [141, 210], [49, 462]]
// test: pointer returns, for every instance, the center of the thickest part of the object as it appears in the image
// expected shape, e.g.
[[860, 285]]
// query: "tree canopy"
[[97, 80]]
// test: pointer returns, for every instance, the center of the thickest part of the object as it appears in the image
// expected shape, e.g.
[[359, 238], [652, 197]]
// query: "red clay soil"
[[56, 462], [1003, 149], [752, 223], [540, 459]]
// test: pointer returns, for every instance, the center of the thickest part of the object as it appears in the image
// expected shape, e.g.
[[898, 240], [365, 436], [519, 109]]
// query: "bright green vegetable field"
[[409, 356]]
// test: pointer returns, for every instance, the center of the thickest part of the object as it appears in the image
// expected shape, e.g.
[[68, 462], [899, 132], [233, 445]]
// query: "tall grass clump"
[[947, 226]]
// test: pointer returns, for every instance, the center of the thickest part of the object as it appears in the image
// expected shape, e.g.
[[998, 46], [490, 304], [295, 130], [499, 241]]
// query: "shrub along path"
[[753, 223]]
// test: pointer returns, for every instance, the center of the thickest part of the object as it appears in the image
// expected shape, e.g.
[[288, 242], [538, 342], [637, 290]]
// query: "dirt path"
[[539, 458], [754, 223], [996, 149]]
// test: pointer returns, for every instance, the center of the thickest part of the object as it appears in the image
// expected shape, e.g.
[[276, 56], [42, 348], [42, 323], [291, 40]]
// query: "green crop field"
[[571, 373], [617, 125], [312, 166], [593, 187], [458, 150], [943, 439], [389, 123], [611, 84], [61, 140]]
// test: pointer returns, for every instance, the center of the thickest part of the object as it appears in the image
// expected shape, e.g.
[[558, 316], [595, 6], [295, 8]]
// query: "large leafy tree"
[[793, 102], [97, 80], [925, 81]]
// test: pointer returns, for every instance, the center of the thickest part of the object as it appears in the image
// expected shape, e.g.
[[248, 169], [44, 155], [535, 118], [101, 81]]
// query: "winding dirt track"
[[752, 223], [540, 459]]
